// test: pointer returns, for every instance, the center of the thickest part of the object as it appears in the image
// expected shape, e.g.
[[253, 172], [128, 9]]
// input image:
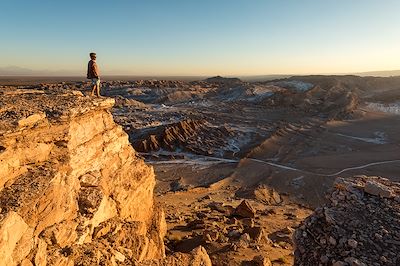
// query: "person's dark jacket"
[[93, 70]]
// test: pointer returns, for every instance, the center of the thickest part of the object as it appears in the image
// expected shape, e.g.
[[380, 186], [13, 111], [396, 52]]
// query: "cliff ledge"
[[72, 191]]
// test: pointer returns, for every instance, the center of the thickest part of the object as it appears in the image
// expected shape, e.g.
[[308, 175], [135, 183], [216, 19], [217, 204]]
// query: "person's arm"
[[96, 70], [88, 70]]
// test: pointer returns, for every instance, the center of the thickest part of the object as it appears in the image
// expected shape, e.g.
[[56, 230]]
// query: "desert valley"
[[302, 170]]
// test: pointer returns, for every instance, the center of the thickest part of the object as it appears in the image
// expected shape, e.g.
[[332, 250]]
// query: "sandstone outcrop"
[[358, 226], [72, 191]]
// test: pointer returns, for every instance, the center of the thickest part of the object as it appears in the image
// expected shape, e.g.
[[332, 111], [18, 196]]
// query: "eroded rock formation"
[[195, 136], [72, 191], [329, 102]]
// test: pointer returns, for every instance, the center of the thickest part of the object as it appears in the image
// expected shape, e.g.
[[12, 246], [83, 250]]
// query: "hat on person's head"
[[92, 54]]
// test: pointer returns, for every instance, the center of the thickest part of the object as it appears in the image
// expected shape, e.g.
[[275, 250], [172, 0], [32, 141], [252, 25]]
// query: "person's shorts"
[[96, 81]]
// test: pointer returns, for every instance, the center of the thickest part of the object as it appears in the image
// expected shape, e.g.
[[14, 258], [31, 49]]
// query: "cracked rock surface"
[[72, 190]]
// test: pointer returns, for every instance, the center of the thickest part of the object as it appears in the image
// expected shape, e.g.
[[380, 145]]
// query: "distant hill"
[[15, 70], [263, 77], [388, 73], [22, 71], [219, 79]]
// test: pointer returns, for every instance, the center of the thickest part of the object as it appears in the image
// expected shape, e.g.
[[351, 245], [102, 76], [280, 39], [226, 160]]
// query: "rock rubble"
[[358, 226]]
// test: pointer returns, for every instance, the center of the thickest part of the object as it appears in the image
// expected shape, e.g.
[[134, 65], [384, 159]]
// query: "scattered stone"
[[210, 235], [384, 259], [324, 259], [244, 241], [119, 256], [196, 224], [234, 233], [339, 263], [90, 179], [341, 230], [378, 189], [197, 257], [89, 200], [282, 236], [261, 261], [207, 197], [291, 216], [200, 257], [267, 195], [288, 230], [262, 193], [245, 237], [332, 241], [177, 185], [257, 234], [232, 221], [245, 210], [352, 243], [268, 212], [354, 262], [218, 206], [248, 222]]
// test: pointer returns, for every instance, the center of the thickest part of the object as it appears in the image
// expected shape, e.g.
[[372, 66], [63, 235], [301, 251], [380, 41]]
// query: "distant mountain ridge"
[[23, 71], [387, 73], [15, 70], [383, 73], [219, 79]]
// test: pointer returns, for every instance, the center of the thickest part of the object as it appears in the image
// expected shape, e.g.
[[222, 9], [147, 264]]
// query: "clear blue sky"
[[204, 37]]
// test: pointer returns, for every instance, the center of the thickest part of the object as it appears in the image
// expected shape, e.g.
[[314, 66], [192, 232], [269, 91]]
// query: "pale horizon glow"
[[200, 38]]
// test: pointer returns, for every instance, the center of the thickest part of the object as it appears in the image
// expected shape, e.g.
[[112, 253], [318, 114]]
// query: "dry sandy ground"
[[184, 207], [321, 152], [338, 145]]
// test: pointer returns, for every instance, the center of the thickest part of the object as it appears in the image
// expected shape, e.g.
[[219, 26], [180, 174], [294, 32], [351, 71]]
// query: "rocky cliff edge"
[[72, 191]]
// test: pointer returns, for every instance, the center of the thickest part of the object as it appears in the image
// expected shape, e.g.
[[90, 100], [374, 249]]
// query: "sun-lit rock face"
[[72, 190]]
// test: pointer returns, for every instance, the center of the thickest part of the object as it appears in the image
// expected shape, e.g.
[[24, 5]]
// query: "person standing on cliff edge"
[[94, 74]]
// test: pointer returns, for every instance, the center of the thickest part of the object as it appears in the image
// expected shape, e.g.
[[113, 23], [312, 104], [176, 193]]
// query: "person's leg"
[[93, 90], [93, 87], [98, 88]]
